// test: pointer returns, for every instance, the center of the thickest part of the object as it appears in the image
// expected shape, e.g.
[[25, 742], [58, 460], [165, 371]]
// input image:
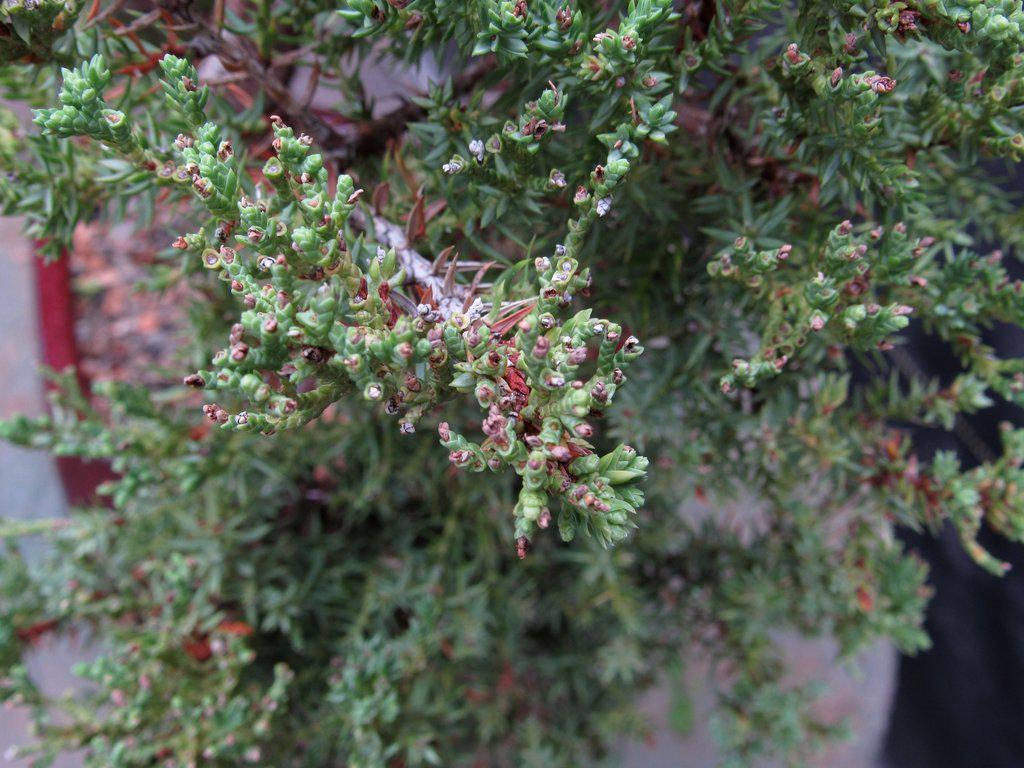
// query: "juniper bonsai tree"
[[408, 518]]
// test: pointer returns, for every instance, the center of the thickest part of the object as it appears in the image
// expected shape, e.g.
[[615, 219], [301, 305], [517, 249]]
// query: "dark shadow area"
[[961, 704]]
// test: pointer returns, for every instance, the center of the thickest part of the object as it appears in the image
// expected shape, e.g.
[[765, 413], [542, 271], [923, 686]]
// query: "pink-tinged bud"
[[563, 18], [902, 310], [560, 453], [239, 351], [817, 323], [522, 547], [459, 457], [444, 432], [544, 519], [881, 83], [577, 356]]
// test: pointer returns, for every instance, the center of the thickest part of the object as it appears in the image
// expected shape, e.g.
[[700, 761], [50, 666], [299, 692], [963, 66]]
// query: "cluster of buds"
[[827, 296], [991, 493], [539, 402], [617, 55], [325, 313], [516, 145], [970, 291], [832, 88], [83, 112], [518, 29], [840, 109], [996, 26]]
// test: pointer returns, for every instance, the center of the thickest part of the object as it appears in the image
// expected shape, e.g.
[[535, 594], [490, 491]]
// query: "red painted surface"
[[56, 314]]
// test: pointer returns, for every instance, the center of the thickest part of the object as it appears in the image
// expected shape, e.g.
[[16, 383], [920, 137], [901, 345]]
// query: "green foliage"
[[766, 193], [29, 28]]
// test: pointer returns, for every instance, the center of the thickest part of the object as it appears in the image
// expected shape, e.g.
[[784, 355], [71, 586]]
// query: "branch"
[[342, 145], [239, 54], [450, 296]]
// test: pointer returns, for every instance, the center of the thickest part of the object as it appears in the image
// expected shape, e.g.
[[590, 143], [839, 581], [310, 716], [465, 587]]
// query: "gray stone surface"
[[29, 485], [859, 695]]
